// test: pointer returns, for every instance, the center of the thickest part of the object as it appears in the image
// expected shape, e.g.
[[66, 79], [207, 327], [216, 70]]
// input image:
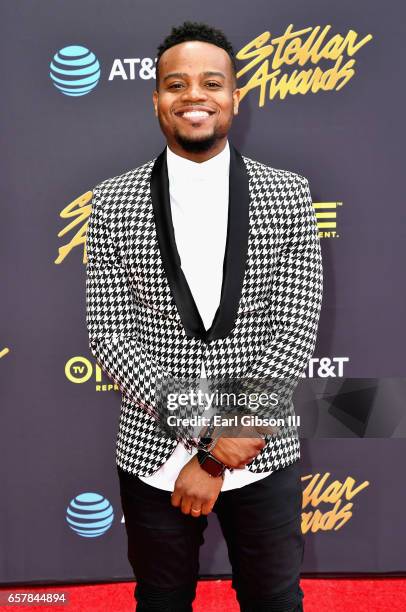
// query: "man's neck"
[[200, 156]]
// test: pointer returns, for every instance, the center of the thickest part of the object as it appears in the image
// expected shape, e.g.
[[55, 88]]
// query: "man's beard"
[[196, 146]]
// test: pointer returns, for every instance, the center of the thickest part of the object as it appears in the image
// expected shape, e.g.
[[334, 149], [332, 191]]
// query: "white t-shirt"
[[199, 206]]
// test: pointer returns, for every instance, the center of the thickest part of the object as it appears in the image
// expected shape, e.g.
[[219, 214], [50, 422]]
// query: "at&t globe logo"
[[75, 70], [89, 515]]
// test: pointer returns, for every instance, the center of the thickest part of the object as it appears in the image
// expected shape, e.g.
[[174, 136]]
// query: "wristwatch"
[[210, 464]]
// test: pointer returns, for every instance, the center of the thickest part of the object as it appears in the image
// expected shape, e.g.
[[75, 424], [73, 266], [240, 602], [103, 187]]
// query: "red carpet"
[[321, 595]]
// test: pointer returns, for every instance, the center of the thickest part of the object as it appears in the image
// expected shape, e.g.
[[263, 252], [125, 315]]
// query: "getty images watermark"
[[316, 408], [238, 407], [223, 402]]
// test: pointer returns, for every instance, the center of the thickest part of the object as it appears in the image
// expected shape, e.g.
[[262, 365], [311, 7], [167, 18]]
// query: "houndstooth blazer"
[[141, 317]]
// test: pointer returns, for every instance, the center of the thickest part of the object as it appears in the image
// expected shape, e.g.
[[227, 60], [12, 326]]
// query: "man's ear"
[[155, 102], [236, 100]]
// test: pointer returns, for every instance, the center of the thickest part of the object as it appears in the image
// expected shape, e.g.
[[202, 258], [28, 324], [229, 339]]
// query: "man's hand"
[[237, 452], [195, 491]]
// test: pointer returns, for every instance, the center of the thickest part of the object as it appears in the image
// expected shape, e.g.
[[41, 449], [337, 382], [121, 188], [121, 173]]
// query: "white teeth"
[[195, 114]]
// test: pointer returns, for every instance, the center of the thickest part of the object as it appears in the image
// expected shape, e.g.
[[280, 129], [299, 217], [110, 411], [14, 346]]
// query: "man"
[[204, 262]]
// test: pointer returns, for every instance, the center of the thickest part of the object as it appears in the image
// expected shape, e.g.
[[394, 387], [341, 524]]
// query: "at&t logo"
[[75, 70], [89, 515]]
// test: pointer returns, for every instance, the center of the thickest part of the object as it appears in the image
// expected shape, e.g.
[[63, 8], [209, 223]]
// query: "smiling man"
[[204, 263], [195, 124]]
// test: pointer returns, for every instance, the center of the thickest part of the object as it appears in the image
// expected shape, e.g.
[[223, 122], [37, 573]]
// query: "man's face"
[[195, 100]]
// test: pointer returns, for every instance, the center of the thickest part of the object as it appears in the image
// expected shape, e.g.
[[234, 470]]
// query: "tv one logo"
[[79, 370], [75, 70]]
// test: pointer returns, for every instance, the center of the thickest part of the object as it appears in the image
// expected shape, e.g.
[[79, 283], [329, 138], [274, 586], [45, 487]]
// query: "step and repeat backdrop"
[[322, 95]]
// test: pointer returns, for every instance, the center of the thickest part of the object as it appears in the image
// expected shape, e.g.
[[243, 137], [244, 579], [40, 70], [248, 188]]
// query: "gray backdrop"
[[59, 415]]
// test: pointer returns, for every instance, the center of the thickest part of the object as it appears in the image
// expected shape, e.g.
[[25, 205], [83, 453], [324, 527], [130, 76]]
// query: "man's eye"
[[211, 84]]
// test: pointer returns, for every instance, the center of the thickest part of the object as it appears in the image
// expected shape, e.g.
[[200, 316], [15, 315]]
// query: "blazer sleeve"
[[296, 294], [110, 314]]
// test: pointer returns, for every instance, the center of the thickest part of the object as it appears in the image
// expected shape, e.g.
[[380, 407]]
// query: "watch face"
[[213, 467]]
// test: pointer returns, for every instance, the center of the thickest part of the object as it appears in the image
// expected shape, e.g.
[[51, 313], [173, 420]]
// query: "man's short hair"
[[193, 30]]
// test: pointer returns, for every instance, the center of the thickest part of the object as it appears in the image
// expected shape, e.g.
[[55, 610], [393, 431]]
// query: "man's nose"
[[194, 92]]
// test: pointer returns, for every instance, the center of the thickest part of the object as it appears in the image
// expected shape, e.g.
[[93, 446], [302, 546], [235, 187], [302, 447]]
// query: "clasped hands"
[[195, 491]]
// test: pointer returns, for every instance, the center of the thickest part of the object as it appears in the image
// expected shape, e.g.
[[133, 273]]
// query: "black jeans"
[[261, 523]]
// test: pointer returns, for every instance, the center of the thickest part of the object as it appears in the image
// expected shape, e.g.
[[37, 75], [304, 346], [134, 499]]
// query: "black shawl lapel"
[[235, 257]]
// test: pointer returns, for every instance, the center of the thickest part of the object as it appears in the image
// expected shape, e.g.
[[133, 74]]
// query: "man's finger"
[[207, 508], [175, 499], [196, 508], [186, 505]]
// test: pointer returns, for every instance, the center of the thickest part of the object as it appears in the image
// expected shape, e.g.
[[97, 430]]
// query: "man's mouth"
[[194, 115]]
